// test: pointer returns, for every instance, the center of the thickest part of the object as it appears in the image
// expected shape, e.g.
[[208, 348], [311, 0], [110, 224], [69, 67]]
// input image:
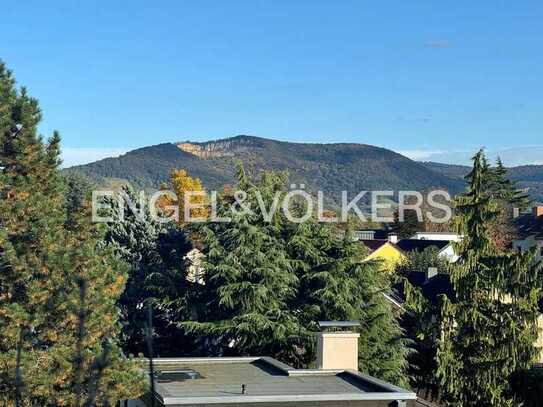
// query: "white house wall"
[[448, 253]]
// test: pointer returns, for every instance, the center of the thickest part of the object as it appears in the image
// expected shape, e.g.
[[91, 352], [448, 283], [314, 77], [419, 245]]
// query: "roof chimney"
[[431, 272], [337, 348], [393, 238], [538, 211]]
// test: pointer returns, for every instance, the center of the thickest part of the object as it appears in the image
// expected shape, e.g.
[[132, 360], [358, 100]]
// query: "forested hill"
[[526, 176], [329, 167]]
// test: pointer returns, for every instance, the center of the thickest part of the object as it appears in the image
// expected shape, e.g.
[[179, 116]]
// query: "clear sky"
[[422, 77]]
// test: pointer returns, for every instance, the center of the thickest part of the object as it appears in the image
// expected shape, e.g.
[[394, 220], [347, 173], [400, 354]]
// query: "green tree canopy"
[[45, 359], [155, 254], [268, 282], [490, 330], [422, 260]]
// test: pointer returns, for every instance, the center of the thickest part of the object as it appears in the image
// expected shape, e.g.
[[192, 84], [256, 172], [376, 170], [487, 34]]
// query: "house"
[[266, 382], [385, 250], [530, 231], [433, 284], [445, 247], [392, 251], [372, 234]]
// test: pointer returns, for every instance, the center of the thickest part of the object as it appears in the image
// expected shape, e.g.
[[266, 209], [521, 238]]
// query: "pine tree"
[[79, 192], [504, 189], [490, 329], [43, 261], [507, 197]]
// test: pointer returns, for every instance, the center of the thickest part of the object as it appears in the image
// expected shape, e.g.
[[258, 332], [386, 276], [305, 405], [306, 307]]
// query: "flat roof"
[[338, 324], [266, 380]]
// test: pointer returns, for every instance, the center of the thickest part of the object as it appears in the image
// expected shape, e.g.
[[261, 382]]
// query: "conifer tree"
[[270, 282], [504, 189], [507, 197], [43, 261], [490, 329], [249, 281], [154, 252], [337, 284]]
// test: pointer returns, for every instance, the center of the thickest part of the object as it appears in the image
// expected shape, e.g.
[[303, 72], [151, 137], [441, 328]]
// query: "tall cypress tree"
[[490, 330], [48, 356]]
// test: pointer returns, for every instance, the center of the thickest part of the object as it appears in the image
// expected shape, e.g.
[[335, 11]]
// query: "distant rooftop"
[[431, 288], [408, 245], [373, 244], [218, 381], [529, 225], [369, 234]]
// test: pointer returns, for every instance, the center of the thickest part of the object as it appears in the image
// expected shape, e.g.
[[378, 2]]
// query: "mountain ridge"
[[528, 176], [330, 167]]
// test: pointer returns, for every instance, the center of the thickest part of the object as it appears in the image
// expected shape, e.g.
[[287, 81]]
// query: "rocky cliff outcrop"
[[222, 148]]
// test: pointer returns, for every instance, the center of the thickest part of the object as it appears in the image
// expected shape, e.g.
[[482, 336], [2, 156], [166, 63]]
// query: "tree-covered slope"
[[526, 176], [329, 167]]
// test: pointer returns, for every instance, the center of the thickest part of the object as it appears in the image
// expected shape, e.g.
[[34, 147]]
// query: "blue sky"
[[420, 77]]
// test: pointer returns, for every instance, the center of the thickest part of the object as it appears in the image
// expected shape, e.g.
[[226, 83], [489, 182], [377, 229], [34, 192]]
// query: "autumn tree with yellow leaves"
[[188, 190]]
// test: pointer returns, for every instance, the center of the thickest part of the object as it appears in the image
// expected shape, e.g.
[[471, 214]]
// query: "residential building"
[[266, 382], [372, 234], [444, 247], [530, 231], [385, 251], [529, 228], [392, 251], [433, 285]]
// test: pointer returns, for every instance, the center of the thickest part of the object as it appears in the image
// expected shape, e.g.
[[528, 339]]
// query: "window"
[[177, 375]]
